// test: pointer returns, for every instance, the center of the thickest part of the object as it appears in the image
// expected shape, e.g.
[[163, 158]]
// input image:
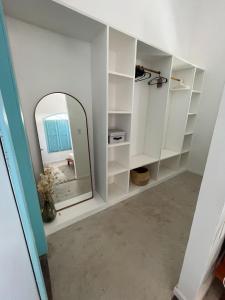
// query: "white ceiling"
[[55, 17]]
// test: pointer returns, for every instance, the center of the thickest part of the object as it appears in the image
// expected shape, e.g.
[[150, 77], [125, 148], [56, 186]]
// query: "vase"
[[48, 210]]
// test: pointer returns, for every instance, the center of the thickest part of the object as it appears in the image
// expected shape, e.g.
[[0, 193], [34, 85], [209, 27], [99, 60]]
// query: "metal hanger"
[[142, 73], [158, 80]]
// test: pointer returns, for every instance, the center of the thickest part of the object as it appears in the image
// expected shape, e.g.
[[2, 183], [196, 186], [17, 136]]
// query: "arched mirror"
[[63, 138]]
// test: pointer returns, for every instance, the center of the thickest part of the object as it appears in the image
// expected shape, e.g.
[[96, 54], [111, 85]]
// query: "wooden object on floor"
[[70, 161]]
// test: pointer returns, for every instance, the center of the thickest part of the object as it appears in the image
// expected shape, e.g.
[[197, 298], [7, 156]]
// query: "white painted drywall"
[[46, 62], [17, 278], [208, 49], [50, 105], [165, 24], [207, 232]]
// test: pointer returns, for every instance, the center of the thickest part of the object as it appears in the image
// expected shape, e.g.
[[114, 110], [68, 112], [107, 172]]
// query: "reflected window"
[[57, 133]]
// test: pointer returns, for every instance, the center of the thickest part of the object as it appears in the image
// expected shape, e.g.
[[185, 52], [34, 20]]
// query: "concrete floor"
[[131, 251]]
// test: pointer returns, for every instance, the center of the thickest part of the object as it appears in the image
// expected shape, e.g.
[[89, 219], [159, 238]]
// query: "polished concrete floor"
[[131, 251]]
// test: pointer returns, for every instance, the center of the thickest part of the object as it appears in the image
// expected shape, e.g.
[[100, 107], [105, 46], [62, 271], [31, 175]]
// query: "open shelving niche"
[[176, 117], [159, 122], [192, 115], [149, 104], [122, 49]]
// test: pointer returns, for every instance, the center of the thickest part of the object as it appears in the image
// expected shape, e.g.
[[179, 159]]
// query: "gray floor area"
[[131, 251], [71, 189]]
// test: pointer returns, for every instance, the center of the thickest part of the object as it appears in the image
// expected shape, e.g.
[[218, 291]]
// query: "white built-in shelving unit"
[[159, 122]]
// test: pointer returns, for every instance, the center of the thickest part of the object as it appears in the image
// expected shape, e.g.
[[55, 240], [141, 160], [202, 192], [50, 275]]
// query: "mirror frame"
[[92, 190]]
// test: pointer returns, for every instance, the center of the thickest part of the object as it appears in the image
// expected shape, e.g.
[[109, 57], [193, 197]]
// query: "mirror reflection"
[[63, 138]]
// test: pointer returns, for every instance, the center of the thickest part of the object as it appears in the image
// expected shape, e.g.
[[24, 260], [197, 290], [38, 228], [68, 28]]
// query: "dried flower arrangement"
[[45, 189], [45, 184]]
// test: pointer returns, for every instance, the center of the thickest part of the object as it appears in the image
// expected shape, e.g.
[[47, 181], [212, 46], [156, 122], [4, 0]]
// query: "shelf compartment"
[[121, 52], [186, 74], [177, 108], [198, 81], [195, 98], [153, 169], [118, 186], [141, 160], [184, 160], [166, 153], [120, 94], [122, 122], [118, 160], [115, 168], [168, 167], [187, 143], [190, 123]]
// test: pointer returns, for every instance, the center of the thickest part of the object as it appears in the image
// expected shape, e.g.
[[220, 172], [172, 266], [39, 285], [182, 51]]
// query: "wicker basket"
[[140, 176]]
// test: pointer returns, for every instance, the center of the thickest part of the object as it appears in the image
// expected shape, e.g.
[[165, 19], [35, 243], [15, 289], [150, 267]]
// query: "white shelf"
[[118, 144], [135, 188], [165, 172], [188, 133], [184, 160], [192, 114], [185, 151], [121, 74], [115, 168], [141, 160], [119, 112], [165, 153], [115, 192], [195, 91], [179, 89]]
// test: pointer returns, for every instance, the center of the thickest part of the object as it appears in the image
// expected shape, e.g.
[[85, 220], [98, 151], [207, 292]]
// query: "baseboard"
[[178, 294], [202, 291]]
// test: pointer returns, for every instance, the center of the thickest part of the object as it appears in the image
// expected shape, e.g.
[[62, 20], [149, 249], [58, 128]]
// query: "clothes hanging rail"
[[142, 71]]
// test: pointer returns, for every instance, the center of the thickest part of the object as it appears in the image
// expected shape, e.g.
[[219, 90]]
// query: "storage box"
[[116, 136]]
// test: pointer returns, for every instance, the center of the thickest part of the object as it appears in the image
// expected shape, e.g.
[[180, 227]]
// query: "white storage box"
[[116, 136]]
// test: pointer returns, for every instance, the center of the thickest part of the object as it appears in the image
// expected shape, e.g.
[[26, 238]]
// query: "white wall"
[[78, 127], [208, 49], [208, 228], [46, 62], [165, 24]]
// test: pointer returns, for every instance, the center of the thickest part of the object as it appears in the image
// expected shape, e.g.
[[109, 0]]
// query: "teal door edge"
[[17, 134], [17, 186]]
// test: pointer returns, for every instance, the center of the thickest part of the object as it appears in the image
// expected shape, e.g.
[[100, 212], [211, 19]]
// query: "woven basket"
[[140, 176]]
